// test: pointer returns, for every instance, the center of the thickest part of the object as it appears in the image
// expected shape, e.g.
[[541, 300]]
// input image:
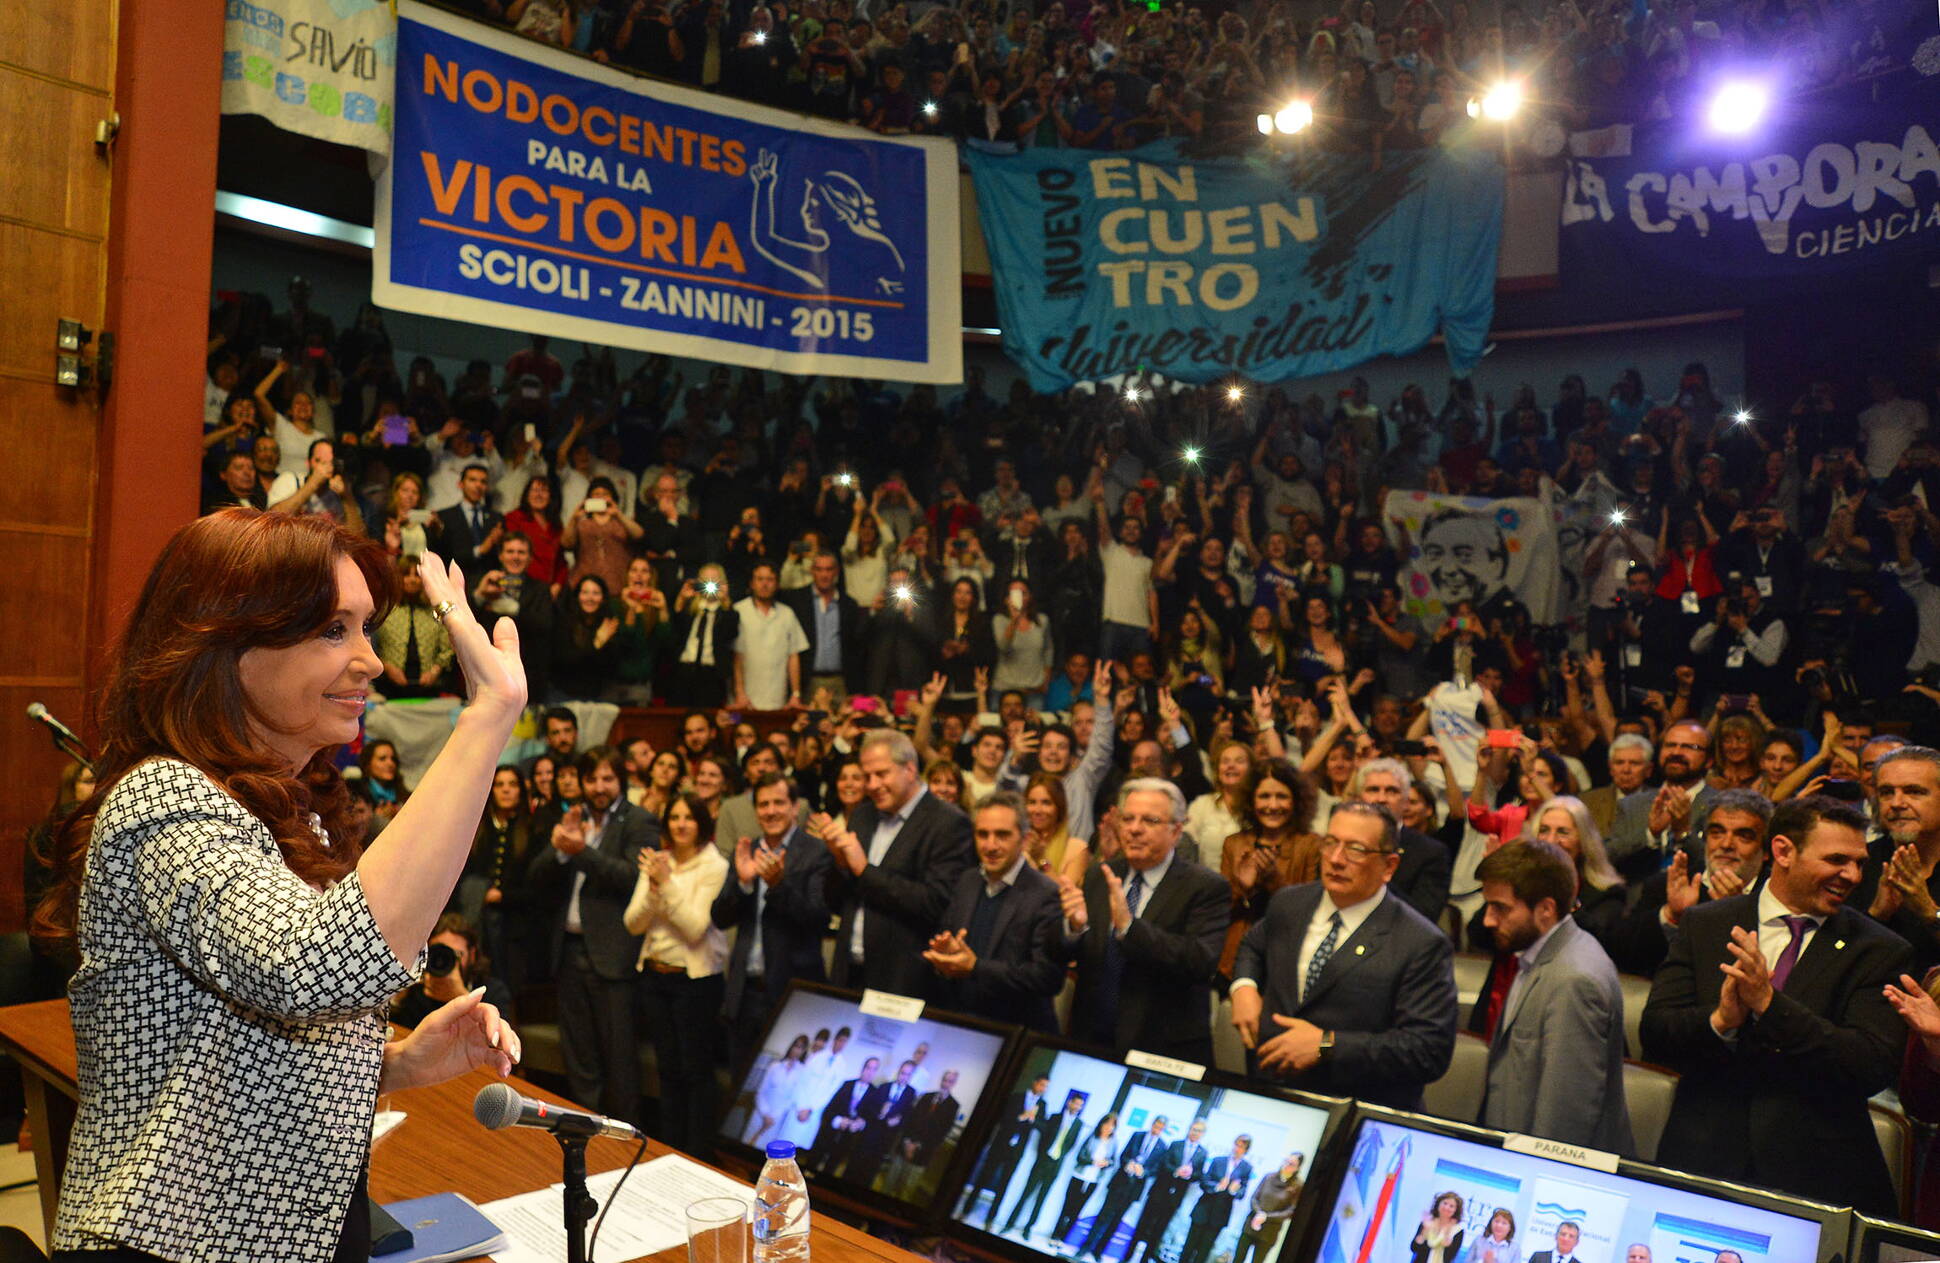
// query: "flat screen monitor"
[[1410, 1186], [1219, 1178], [1881, 1241], [875, 1106]]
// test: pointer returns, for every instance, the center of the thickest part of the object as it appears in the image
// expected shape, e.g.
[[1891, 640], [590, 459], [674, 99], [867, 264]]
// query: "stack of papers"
[[650, 1215]]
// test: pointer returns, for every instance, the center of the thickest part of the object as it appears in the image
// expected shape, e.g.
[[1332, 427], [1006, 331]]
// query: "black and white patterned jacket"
[[229, 1021]]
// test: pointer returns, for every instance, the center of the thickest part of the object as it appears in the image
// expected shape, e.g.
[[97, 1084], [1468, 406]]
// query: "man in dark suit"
[[837, 629], [774, 902], [1146, 930], [1656, 822], [472, 528], [1059, 1136], [882, 1123], [1179, 1170], [587, 874], [1733, 829], [894, 870], [843, 1121], [1425, 869], [1568, 1233], [925, 1128], [701, 640], [1901, 889], [999, 951], [1138, 1161], [1025, 552], [1771, 1006], [1022, 1123], [1222, 1183], [1341, 988]]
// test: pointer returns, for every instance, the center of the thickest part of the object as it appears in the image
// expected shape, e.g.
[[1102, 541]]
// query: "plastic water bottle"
[[781, 1208]]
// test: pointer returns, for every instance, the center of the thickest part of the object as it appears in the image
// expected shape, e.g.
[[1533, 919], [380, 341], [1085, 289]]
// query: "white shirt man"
[[767, 673]]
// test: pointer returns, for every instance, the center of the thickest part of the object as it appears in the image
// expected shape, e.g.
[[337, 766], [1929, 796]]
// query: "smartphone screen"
[[397, 431]]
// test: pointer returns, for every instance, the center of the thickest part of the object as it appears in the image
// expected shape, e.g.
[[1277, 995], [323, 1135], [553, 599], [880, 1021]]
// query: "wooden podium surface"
[[438, 1148]]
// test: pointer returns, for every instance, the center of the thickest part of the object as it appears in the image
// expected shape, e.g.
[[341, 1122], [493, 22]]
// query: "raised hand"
[[494, 674], [1121, 909], [1915, 1007], [770, 864], [1071, 901], [745, 868], [1749, 967], [569, 836]]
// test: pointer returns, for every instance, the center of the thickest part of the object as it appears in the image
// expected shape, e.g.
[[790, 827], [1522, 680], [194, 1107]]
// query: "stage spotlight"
[[1500, 103], [1738, 107], [1295, 116], [1265, 123]]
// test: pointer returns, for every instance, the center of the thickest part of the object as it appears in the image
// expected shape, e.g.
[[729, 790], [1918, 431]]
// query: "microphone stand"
[[580, 1205]]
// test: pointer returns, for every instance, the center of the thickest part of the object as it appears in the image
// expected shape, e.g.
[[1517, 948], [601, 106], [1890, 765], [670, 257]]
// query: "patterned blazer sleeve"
[[212, 889]]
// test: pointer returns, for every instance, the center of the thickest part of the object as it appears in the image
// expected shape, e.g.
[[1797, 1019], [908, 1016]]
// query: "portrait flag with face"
[[1490, 553]]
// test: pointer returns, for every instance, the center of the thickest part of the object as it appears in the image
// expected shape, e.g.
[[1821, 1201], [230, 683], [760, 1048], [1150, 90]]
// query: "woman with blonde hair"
[[1052, 848]]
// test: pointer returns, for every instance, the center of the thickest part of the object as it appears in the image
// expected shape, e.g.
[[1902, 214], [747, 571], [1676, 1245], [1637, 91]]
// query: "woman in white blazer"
[[681, 959]]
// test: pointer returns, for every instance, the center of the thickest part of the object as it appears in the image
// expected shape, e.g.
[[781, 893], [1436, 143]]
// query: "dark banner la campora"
[[531, 190]]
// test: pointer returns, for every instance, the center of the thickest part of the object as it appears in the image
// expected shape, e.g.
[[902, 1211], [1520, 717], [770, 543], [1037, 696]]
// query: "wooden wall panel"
[[57, 60], [46, 276], [70, 40], [67, 194], [65, 486]]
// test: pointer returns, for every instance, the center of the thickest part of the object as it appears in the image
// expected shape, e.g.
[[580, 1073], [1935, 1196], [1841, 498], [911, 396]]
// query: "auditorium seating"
[[1648, 1091], [1636, 993], [1896, 1142], [1457, 1095]]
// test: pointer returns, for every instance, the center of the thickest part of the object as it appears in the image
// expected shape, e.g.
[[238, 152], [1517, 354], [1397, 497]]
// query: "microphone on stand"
[[64, 737], [497, 1107]]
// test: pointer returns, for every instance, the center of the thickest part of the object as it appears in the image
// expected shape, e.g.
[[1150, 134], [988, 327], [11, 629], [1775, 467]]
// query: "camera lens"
[[439, 960]]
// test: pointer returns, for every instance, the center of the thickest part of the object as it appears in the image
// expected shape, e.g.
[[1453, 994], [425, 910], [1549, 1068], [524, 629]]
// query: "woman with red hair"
[[237, 946]]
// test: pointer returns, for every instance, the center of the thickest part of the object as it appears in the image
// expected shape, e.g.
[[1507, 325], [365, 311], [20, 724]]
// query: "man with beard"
[[1556, 1054], [1901, 886], [1653, 824], [1734, 854], [1772, 1007]]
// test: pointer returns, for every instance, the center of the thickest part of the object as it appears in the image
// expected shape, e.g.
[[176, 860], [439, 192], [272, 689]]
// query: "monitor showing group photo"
[[1086, 1157], [875, 1106], [1413, 1188]]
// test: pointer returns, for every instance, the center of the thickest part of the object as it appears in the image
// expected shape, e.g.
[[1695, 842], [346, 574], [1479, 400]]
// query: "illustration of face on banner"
[[1577, 1220], [535, 191], [1491, 554]]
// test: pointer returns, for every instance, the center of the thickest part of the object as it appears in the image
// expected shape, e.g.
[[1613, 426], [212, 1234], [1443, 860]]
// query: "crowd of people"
[[1145, 669], [1109, 76]]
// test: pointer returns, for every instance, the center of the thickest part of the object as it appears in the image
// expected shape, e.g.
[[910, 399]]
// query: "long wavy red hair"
[[233, 581]]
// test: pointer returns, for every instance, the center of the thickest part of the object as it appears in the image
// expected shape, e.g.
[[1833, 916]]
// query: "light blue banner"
[[541, 192], [1270, 267]]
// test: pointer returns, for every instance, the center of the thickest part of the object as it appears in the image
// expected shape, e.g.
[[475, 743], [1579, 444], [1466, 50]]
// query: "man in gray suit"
[[1652, 824], [1342, 988], [1556, 1061]]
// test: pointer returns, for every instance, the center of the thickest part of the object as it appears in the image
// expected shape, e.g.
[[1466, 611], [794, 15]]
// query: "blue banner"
[[1272, 267], [1826, 188], [532, 190]]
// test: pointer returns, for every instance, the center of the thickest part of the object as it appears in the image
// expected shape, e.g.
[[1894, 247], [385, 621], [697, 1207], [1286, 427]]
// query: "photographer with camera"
[[1738, 654], [454, 963]]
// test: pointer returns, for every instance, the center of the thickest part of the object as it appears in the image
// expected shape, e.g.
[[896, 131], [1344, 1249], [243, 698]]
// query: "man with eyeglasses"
[[1145, 931], [1734, 855], [1900, 887], [1654, 823], [1340, 988]]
